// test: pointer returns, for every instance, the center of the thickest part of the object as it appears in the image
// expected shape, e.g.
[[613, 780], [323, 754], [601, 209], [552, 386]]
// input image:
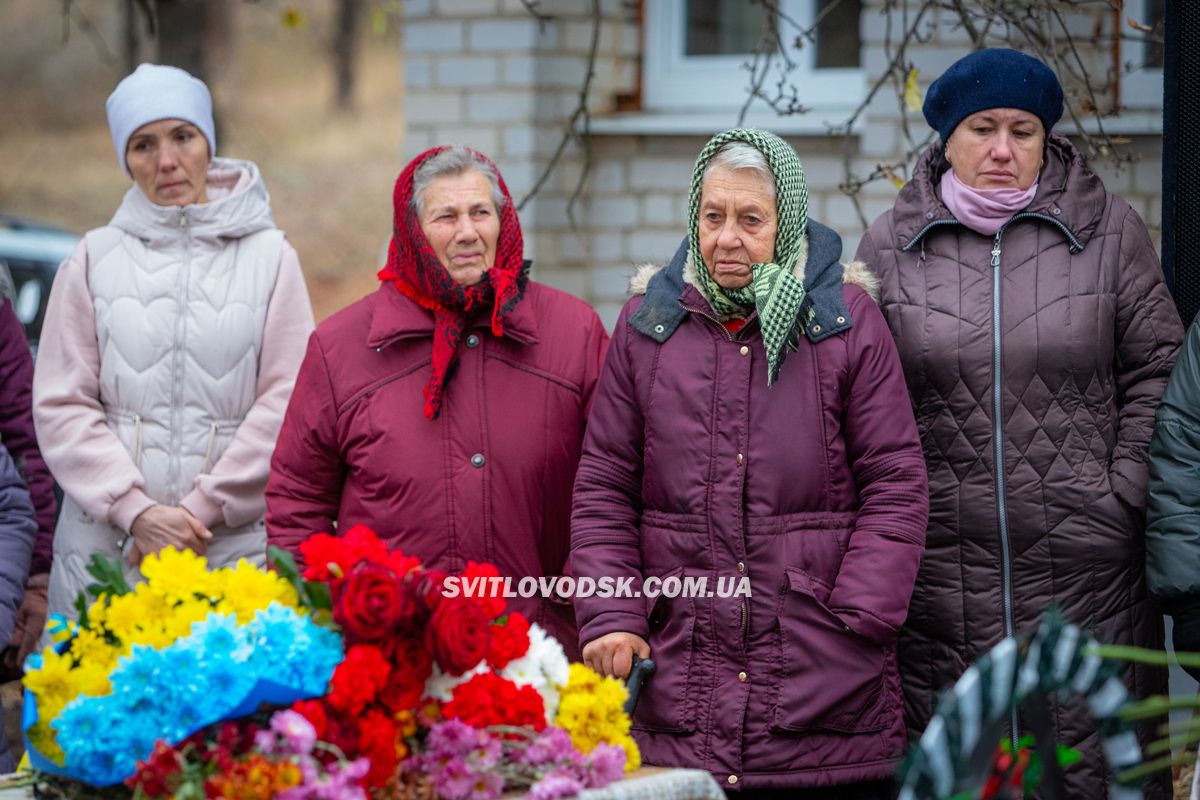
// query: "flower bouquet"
[[182, 650], [450, 694], [362, 675]]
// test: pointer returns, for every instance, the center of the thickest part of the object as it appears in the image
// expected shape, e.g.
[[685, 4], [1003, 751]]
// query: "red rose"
[[479, 577], [510, 641], [430, 587], [370, 603], [458, 635], [411, 666]]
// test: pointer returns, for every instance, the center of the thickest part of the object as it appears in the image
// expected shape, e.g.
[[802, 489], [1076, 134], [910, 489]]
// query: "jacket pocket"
[[832, 678], [128, 428], [664, 705], [220, 434]]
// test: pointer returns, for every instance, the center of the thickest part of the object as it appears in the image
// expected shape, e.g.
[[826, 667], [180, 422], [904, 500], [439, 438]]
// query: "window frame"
[[1141, 89], [675, 82]]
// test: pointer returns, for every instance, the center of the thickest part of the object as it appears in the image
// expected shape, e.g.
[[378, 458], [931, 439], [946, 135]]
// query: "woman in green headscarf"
[[751, 437]]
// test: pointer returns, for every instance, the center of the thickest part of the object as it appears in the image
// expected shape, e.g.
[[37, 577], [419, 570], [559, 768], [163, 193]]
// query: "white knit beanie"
[[155, 92]]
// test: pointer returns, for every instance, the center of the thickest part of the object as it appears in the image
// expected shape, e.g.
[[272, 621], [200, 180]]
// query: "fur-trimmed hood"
[[819, 268], [855, 273]]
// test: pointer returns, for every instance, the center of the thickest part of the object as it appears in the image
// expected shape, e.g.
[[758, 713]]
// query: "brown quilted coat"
[[1083, 337]]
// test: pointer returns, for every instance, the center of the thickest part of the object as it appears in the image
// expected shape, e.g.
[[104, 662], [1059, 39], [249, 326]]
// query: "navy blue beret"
[[994, 78]]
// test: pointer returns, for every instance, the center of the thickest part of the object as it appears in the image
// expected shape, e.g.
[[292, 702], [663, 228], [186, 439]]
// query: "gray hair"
[[741, 155], [454, 160]]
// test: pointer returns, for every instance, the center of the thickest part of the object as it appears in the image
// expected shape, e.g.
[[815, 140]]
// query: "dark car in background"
[[30, 253]]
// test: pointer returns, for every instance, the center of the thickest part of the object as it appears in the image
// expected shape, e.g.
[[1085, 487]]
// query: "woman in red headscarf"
[[446, 410]]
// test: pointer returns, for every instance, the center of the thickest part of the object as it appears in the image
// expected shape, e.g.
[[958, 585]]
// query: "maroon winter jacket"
[[814, 488], [17, 433], [1035, 359], [488, 480]]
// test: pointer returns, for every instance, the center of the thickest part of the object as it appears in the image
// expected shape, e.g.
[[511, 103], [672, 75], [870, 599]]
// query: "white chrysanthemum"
[[544, 667], [440, 685]]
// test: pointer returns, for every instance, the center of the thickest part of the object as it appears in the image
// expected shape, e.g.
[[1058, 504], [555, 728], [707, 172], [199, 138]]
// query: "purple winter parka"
[[1036, 358], [814, 489]]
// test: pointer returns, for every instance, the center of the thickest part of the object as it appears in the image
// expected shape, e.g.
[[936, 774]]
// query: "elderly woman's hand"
[[166, 526], [612, 654]]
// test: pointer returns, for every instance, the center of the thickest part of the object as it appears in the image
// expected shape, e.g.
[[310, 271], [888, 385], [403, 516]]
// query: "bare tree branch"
[[577, 128], [543, 19], [89, 28]]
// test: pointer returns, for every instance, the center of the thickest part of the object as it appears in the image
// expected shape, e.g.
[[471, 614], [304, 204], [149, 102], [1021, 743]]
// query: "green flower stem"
[[1142, 655], [1181, 726], [1165, 745], [1150, 767], [1156, 706]]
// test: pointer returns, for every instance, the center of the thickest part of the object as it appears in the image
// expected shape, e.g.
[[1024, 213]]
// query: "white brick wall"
[[481, 72], [433, 36]]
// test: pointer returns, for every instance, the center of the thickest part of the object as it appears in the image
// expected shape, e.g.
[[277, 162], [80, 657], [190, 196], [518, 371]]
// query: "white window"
[[1142, 56], [696, 51]]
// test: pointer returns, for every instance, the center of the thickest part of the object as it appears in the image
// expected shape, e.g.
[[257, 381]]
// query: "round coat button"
[[732, 779], [478, 460], [473, 340], [745, 350], [741, 566], [743, 677]]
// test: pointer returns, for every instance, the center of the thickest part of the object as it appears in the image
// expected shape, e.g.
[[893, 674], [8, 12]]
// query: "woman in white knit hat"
[[170, 347]]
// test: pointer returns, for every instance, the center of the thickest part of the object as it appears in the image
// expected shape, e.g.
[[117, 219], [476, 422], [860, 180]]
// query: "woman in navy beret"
[[1036, 334]]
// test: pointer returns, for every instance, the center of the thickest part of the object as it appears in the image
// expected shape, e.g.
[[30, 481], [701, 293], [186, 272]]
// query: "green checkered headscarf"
[[773, 291]]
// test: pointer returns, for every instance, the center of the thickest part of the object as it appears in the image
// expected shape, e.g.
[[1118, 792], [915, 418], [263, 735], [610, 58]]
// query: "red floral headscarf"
[[414, 269]]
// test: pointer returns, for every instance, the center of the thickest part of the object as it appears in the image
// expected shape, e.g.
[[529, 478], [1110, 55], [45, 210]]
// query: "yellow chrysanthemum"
[[247, 589], [178, 574], [591, 711], [125, 613], [582, 678], [98, 613], [89, 647], [184, 615], [633, 757], [153, 634], [91, 679], [41, 736], [52, 683]]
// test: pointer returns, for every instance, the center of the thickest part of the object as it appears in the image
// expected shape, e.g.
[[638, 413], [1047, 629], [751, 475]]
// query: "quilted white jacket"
[[169, 351]]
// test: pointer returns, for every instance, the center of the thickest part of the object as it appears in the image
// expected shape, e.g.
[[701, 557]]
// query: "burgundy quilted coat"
[[813, 488], [1035, 360], [489, 480]]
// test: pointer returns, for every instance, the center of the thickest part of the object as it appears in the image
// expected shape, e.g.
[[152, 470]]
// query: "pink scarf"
[[983, 210]]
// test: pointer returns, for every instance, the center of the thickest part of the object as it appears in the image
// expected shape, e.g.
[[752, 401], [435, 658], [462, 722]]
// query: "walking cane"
[[642, 669]]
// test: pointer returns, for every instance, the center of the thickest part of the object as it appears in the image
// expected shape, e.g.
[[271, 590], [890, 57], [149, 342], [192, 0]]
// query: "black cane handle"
[[642, 669]]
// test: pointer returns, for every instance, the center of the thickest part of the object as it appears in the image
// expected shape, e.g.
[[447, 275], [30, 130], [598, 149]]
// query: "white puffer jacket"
[[170, 348]]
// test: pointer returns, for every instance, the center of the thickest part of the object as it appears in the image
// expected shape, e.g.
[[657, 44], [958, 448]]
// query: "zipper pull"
[[996, 251], [182, 218]]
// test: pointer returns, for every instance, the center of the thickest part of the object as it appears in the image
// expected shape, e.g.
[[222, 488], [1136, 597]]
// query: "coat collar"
[[669, 296], [238, 206], [395, 317], [1069, 194]]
